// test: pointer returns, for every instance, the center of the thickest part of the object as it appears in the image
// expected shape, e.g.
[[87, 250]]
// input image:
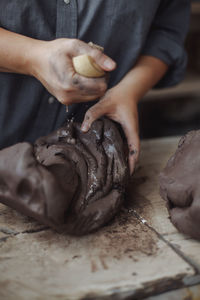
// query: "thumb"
[[94, 113], [102, 60]]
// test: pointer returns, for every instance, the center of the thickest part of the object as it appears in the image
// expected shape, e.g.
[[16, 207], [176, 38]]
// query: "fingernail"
[[109, 64], [84, 127]]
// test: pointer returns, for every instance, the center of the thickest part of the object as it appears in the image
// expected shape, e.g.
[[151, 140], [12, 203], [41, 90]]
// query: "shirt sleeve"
[[166, 39]]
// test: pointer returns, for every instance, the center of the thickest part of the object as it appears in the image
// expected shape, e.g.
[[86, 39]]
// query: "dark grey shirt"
[[125, 28]]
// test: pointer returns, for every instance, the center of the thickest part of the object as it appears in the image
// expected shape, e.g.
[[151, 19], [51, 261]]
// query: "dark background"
[[175, 111]]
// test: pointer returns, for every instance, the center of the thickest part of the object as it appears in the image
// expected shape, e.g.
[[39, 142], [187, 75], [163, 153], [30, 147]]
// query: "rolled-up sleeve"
[[166, 39]]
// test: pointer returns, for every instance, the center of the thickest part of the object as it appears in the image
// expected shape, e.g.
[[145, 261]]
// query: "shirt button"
[[67, 1], [51, 99]]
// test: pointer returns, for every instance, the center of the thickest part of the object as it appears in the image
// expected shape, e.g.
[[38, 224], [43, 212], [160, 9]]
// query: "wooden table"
[[138, 255]]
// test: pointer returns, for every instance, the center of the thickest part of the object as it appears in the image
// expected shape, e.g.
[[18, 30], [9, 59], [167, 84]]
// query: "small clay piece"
[[179, 185], [70, 180]]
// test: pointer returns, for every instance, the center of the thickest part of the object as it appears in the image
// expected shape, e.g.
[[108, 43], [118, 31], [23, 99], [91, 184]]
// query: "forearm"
[[16, 52], [146, 73]]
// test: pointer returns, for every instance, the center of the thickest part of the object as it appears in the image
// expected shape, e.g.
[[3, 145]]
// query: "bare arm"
[[145, 75], [120, 102], [51, 63], [15, 52]]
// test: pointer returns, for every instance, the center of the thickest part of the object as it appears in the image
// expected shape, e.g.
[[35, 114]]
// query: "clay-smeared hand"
[[52, 65], [119, 105]]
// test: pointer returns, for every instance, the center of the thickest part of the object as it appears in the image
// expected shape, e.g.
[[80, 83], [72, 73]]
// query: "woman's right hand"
[[51, 63]]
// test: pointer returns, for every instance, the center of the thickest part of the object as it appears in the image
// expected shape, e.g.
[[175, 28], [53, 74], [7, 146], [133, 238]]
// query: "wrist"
[[143, 76], [129, 91], [33, 57]]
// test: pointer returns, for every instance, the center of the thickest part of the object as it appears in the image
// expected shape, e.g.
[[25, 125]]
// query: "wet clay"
[[180, 185], [70, 180]]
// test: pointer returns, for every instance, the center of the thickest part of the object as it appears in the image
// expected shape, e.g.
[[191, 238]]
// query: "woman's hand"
[[119, 105], [120, 102], [52, 65]]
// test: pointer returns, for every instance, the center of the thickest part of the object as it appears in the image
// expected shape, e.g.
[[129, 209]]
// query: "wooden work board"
[[139, 254]]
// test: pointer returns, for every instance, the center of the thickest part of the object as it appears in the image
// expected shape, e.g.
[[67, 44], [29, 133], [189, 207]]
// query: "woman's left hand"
[[119, 105]]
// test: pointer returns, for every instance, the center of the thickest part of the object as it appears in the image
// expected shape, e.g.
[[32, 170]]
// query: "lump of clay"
[[69, 180], [179, 185], [28, 187]]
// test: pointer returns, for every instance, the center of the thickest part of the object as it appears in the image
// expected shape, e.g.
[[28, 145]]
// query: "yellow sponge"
[[86, 66]]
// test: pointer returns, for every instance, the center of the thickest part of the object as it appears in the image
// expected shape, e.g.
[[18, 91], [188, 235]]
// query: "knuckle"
[[67, 90], [73, 43], [96, 110], [65, 100], [66, 97], [89, 114], [81, 84], [97, 54], [98, 88], [102, 87], [75, 81]]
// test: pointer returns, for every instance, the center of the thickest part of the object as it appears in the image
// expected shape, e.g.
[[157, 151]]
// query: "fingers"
[[130, 127], [55, 70], [82, 89], [89, 86], [104, 61], [94, 113], [128, 120], [133, 153]]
